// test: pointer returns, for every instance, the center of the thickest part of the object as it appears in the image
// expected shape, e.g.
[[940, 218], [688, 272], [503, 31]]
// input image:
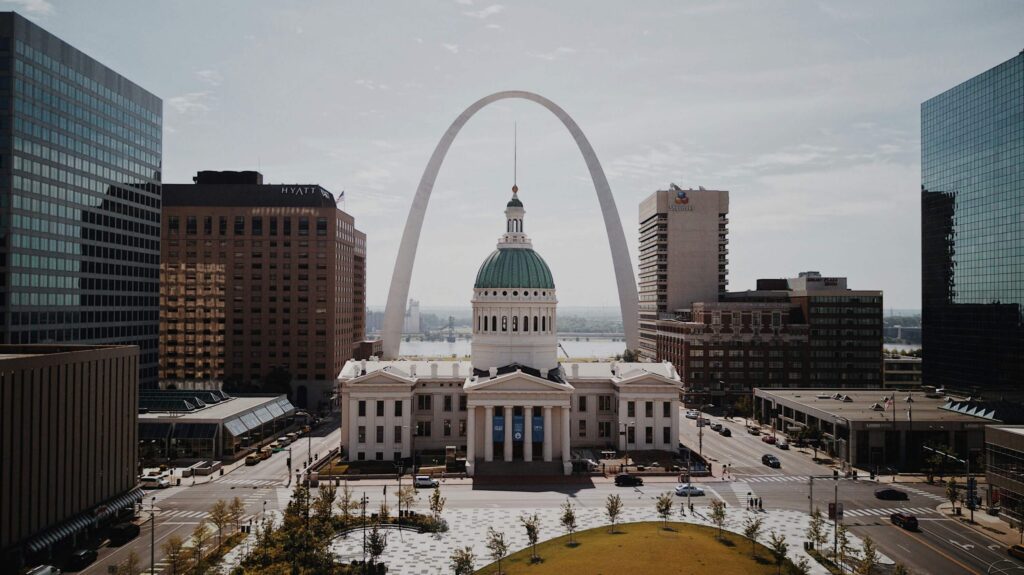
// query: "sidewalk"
[[990, 526]]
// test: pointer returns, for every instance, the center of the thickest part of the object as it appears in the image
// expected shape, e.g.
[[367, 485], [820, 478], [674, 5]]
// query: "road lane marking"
[[940, 552]]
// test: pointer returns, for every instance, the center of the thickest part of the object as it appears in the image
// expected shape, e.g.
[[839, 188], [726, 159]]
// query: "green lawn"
[[640, 549]]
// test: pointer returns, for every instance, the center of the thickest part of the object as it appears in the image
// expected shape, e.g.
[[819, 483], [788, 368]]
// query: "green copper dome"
[[514, 268]]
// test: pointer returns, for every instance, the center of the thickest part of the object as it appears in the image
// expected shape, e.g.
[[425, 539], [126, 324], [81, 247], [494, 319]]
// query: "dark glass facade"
[[972, 233], [80, 156]]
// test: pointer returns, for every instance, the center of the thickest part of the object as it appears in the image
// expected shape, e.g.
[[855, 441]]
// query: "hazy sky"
[[808, 112]]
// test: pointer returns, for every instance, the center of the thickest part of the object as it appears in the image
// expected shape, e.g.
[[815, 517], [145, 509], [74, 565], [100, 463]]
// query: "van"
[[904, 520], [154, 483], [123, 533]]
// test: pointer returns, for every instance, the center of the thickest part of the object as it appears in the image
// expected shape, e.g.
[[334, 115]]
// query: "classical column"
[[675, 425], [408, 427], [566, 453], [353, 427], [547, 433], [620, 423], [508, 433], [471, 434], [489, 433], [528, 433]]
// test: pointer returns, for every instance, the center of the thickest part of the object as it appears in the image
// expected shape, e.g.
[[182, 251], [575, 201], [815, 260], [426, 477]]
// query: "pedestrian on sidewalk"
[[760, 504], [691, 508]]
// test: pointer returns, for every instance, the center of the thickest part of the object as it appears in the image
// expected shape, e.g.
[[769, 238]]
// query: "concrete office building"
[[513, 407], [79, 198], [864, 428], [1004, 470], [901, 371], [412, 318], [68, 447], [258, 278], [972, 234], [683, 248]]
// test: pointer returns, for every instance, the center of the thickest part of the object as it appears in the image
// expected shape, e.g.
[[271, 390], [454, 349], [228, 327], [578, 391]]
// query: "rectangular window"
[[604, 429], [257, 226], [447, 403], [631, 435], [380, 434], [583, 428], [666, 436], [303, 226], [208, 225], [361, 456], [287, 226], [321, 226], [380, 456], [462, 428], [462, 403], [423, 402], [273, 226], [666, 409], [362, 434], [648, 435], [239, 225], [649, 409], [604, 403], [583, 403], [398, 434], [362, 408], [630, 409], [398, 408], [447, 428], [173, 224], [380, 408], [422, 429], [222, 226], [190, 225]]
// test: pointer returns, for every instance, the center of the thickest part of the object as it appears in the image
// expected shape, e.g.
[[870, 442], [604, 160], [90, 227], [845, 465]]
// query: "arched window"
[[526, 323], [515, 323], [504, 323], [534, 323], [494, 323], [544, 324], [478, 324]]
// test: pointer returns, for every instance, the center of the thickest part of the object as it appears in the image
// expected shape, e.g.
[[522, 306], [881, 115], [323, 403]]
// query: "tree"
[[752, 530], [718, 515], [200, 536], [843, 543], [629, 356], [497, 546], [869, 557], [568, 519], [384, 512], [237, 510], [437, 504], [743, 406], [532, 525], [172, 549], [407, 497], [220, 516], [778, 546], [347, 504], [800, 567], [952, 492], [613, 508], [322, 523], [900, 569], [663, 505], [462, 561], [130, 565], [376, 543], [816, 530]]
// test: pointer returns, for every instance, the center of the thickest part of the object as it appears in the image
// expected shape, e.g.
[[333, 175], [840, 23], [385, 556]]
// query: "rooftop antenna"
[[515, 156]]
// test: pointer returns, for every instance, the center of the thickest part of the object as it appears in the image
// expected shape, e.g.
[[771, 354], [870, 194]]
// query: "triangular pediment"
[[387, 376], [516, 382], [641, 377]]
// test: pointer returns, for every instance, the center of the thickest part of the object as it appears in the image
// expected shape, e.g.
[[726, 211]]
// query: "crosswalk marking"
[[774, 478], [924, 493], [887, 511], [252, 482]]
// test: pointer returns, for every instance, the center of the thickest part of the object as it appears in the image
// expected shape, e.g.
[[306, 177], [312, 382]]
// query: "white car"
[[692, 414], [688, 489], [424, 481], [154, 483]]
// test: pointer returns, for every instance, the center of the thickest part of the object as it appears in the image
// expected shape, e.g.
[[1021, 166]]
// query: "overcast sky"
[[807, 112]]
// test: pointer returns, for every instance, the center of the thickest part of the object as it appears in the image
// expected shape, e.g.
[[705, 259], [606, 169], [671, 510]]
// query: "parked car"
[[43, 570], [753, 430], [123, 533], [689, 489], [904, 520], [305, 429], [275, 445], [1015, 551], [283, 441], [627, 480], [292, 436], [771, 461], [692, 414], [252, 459], [781, 444], [717, 427], [724, 432], [890, 494], [266, 452], [769, 439], [154, 483], [81, 559], [424, 482]]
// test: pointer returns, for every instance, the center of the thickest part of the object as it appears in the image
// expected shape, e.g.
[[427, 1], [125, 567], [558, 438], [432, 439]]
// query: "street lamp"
[[152, 536], [309, 436]]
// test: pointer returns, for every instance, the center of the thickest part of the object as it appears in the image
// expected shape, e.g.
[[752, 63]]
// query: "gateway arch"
[[398, 292]]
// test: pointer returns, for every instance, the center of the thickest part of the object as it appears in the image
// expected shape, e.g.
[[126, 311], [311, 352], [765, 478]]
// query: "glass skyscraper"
[[972, 234], [80, 157]]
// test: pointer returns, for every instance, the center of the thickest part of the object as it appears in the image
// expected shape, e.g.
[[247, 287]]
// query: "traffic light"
[[289, 461]]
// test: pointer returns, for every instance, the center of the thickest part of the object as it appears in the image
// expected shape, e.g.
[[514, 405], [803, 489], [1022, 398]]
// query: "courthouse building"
[[513, 403]]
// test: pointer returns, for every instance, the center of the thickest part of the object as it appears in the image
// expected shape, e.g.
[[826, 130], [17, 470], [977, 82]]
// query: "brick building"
[[258, 279]]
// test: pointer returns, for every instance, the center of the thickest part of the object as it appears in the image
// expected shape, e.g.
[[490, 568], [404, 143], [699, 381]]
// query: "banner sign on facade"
[[538, 429], [518, 428], [499, 429]]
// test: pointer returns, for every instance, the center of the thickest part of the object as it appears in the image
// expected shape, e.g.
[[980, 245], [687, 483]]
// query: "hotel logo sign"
[[681, 202]]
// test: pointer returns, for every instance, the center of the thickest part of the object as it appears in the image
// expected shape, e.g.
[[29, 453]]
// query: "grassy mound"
[[637, 548]]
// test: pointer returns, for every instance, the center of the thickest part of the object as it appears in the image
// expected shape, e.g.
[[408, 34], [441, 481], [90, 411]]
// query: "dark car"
[[627, 480], [81, 559], [716, 427], [771, 461], [724, 432], [904, 520], [891, 494], [123, 533]]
